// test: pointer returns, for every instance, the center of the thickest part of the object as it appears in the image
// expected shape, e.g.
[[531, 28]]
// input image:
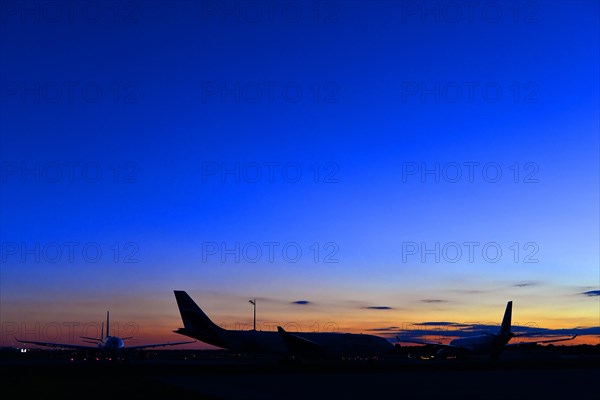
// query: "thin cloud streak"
[[592, 293]]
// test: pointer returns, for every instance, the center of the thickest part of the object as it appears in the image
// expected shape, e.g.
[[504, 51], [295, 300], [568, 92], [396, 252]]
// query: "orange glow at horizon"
[[153, 320]]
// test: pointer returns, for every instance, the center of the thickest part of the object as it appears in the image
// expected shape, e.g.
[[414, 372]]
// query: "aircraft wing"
[[428, 343], [530, 333], [145, 346], [297, 344], [541, 341], [58, 345]]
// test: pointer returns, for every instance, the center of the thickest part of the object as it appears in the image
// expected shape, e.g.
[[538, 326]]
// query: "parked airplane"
[[312, 344], [105, 344], [488, 344]]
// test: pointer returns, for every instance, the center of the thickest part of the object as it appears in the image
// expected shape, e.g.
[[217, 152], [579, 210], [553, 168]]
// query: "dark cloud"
[[525, 284], [378, 308], [433, 301], [594, 330], [449, 331], [592, 293], [301, 302], [442, 323], [386, 329]]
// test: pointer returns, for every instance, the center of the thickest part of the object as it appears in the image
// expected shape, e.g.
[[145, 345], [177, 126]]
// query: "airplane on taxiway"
[[106, 344], [490, 344], [303, 344]]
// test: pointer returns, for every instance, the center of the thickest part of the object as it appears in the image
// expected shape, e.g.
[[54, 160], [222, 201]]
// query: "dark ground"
[[216, 375]]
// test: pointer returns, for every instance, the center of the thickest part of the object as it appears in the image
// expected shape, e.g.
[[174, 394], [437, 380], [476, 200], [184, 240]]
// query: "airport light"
[[253, 302]]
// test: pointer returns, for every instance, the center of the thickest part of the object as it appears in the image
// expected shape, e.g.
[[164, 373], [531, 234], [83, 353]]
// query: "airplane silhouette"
[[106, 344], [304, 344], [488, 344]]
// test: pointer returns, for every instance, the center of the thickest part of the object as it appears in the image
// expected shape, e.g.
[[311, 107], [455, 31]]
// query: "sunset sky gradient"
[[333, 112]]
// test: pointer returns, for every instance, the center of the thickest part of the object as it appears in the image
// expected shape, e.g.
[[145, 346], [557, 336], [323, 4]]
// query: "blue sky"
[[327, 117]]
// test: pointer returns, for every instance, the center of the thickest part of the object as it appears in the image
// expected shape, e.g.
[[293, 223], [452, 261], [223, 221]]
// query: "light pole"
[[253, 302]]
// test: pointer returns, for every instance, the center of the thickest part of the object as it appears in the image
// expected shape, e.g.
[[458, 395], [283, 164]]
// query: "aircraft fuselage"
[[330, 344]]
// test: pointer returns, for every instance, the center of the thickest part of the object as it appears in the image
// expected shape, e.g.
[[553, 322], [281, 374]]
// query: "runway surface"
[[258, 378]]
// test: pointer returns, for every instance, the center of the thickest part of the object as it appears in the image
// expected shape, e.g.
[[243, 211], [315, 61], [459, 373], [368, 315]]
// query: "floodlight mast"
[[253, 302]]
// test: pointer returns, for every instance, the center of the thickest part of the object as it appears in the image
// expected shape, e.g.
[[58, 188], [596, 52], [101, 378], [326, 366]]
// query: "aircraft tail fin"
[[196, 323], [506, 320]]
